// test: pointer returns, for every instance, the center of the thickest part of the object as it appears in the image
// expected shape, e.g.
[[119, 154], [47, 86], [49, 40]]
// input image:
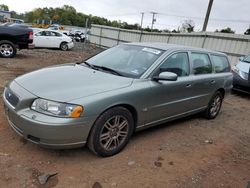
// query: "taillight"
[[30, 35]]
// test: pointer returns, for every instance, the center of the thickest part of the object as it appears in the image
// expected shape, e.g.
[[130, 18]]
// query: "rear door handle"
[[188, 85], [212, 81]]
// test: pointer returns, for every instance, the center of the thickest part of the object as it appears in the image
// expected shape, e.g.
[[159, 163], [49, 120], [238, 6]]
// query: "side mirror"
[[166, 76], [241, 58]]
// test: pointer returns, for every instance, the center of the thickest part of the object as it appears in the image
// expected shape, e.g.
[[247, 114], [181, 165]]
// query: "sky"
[[170, 13]]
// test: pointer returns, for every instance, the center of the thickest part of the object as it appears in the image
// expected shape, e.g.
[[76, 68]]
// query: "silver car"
[[241, 75], [102, 101]]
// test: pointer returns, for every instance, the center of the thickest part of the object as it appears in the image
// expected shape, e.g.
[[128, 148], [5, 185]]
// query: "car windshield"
[[247, 59], [126, 60]]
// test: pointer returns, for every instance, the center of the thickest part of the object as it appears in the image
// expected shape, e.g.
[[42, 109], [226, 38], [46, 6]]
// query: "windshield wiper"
[[89, 65], [96, 67], [108, 69]]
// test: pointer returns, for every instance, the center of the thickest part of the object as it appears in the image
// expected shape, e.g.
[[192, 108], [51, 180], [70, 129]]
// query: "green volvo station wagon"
[[102, 101]]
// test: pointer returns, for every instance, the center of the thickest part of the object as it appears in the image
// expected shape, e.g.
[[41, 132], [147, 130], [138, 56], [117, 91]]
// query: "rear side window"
[[39, 34], [220, 63], [43, 33], [56, 34], [201, 63]]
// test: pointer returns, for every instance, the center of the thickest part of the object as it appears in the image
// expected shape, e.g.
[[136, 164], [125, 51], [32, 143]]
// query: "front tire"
[[7, 49], [64, 46], [111, 132], [214, 106]]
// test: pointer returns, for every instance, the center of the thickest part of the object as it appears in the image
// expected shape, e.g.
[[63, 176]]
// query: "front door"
[[171, 98]]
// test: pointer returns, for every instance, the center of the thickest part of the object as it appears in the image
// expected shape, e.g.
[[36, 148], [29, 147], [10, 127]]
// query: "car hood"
[[243, 66], [68, 82]]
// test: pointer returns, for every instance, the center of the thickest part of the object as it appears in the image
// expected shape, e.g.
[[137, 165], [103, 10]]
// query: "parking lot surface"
[[191, 152]]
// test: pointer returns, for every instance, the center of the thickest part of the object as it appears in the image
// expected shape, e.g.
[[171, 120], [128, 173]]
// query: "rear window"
[[220, 63], [201, 63]]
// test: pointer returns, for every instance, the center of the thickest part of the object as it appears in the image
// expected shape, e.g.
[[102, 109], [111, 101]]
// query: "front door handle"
[[188, 85]]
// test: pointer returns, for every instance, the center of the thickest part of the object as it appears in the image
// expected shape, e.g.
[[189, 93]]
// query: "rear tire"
[[7, 49], [64, 46], [111, 132], [214, 106]]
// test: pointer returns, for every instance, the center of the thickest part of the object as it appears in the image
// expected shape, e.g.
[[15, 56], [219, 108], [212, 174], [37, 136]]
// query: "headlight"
[[56, 108], [242, 74]]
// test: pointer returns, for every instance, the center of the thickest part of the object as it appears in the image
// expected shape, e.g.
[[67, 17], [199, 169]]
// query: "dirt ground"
[[191, 152]]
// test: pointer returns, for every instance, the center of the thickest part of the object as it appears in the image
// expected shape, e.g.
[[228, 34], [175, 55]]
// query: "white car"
[[52, 39]]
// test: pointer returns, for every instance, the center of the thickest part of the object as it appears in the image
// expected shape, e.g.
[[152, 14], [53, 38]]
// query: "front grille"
[[11, 97]]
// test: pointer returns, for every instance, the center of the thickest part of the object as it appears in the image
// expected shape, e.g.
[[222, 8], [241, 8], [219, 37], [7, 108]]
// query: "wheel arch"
[[222, 91], [63, 43], [7, 38], [133, 112], [129, 107]]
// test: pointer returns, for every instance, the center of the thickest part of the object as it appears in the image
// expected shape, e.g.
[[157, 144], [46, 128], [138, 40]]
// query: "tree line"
[[67, 15]]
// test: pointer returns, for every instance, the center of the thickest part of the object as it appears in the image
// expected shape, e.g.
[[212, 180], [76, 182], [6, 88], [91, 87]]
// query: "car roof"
[[39, 30], [167, 47]]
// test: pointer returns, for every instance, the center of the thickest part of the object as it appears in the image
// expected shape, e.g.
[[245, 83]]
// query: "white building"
[[4, 15]]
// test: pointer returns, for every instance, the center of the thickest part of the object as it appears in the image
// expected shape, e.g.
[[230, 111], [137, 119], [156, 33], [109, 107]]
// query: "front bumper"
[[240, 84], [48, 131], [70, 45]]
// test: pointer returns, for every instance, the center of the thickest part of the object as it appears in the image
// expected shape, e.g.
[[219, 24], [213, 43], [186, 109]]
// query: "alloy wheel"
[[114, 132], [215, 106], [6, 50], [64, 47]]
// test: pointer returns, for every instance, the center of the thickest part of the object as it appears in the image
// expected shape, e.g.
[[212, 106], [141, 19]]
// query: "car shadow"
[[241, 94], [84, 151], [165, 126], [21, 56]]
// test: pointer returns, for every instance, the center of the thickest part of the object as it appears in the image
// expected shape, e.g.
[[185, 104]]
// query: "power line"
[[167, 25], [182, 16], [212, 19], [127, 14]]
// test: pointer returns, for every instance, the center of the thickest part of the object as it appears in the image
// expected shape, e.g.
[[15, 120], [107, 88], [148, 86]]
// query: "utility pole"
[[86, 30], [153, 20], [207, 15], [142, 15]]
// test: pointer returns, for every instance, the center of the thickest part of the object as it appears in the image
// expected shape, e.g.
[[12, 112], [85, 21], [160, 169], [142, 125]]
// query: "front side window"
[[129, 60], [220, 63], [201, 63], [177, 63]]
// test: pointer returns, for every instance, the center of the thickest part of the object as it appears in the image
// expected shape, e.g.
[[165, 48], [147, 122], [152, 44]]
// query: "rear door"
[[204, 80], [42, 39], [222, 70]]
